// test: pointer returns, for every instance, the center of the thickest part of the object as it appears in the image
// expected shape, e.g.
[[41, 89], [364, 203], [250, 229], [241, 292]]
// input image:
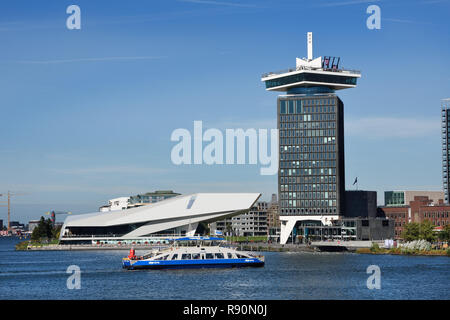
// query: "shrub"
[[416, 245], [375, 247]]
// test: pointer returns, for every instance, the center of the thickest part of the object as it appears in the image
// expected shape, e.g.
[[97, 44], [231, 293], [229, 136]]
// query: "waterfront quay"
[[250, 246]]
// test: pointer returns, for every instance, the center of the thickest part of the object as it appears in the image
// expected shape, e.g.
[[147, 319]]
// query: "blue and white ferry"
[[193, 252]]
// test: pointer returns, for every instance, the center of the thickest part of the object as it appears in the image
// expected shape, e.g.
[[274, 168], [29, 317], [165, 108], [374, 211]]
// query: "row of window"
[[307, 141], [198, 256], [324, 157], [308, 195], [296, 171], [298, 114], [312, 164], [308, 149], [327, 134], [308, 187], [296, 211], [435, 214], [308, 179], [287, 129], [308, 203], [303, 119], [308, 102]]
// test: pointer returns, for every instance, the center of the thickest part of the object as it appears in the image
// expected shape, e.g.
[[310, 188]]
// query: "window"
[[282, 107], [175, 256], [164, 257], [196, 256], [230, 256], [191, 202], [186, 256], [291, 107], [209, 256], [219, 256]]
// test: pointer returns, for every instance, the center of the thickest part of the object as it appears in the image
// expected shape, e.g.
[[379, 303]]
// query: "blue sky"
[[86, 115]]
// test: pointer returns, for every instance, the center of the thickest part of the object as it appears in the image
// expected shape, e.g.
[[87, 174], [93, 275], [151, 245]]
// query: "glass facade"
[[311, 163], [394, 198], [311, 77], [445, 114]]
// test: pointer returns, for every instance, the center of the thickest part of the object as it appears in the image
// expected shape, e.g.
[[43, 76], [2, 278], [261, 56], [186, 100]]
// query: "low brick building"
[[418, 210]]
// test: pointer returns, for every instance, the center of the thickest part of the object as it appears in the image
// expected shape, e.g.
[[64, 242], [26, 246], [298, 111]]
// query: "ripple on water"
[[42, 274]]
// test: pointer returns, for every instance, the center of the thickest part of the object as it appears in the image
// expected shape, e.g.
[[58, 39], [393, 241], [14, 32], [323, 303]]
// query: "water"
[[42, 275]]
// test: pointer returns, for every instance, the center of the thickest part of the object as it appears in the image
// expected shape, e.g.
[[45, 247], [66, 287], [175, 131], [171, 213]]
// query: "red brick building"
[[418, 210]]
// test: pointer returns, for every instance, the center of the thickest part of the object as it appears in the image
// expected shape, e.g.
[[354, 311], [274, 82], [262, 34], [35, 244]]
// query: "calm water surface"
[[42, 275]]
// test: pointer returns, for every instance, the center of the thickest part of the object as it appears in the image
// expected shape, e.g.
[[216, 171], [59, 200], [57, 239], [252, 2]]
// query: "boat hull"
[[191, 264]]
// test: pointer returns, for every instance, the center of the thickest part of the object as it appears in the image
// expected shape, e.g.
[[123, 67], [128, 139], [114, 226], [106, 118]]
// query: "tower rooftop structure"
[[311, 75]]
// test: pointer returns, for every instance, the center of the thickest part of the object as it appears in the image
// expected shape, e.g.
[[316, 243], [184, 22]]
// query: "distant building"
[[32, 224], [400, 198], [360, 203], [420, 209], [17, 225], [116, 204], [175, 217], [273, 219], [250, 224], [361, 221], [445, 115], [123, 203], [152, 197]]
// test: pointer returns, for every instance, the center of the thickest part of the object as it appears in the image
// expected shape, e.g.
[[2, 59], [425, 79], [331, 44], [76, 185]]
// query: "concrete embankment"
[[275, 247]]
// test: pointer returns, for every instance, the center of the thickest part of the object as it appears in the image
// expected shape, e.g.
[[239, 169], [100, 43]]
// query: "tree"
[[419, 231], [444, 235], [411, 231], [426, 231], [43, 230]]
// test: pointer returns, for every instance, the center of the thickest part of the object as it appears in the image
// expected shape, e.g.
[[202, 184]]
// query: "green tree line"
[[425, 231]]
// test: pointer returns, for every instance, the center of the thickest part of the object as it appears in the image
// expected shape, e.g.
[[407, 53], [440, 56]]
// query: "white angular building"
[[174, 217]]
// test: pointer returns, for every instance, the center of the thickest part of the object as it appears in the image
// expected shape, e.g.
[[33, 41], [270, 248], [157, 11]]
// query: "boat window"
[[230, 256], [186, 256], [240, 256], [164, 257], [209, 256], [175, 256], [219, 255], [196, 256]]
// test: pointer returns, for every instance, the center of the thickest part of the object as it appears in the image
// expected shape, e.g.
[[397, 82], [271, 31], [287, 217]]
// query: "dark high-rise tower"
[[311, 172]]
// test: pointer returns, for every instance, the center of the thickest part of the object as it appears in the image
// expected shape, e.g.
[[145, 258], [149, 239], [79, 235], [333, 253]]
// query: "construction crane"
[[9, 194], [54, 213]]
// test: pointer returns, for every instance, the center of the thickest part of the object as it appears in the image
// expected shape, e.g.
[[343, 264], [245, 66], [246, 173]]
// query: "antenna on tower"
[[310, 46]]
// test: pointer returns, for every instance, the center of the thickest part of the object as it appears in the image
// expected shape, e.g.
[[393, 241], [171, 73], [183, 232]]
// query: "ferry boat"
[[193, 252]]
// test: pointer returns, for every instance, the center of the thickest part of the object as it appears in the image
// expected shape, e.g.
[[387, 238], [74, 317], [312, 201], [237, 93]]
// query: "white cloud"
[[389, 127]]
